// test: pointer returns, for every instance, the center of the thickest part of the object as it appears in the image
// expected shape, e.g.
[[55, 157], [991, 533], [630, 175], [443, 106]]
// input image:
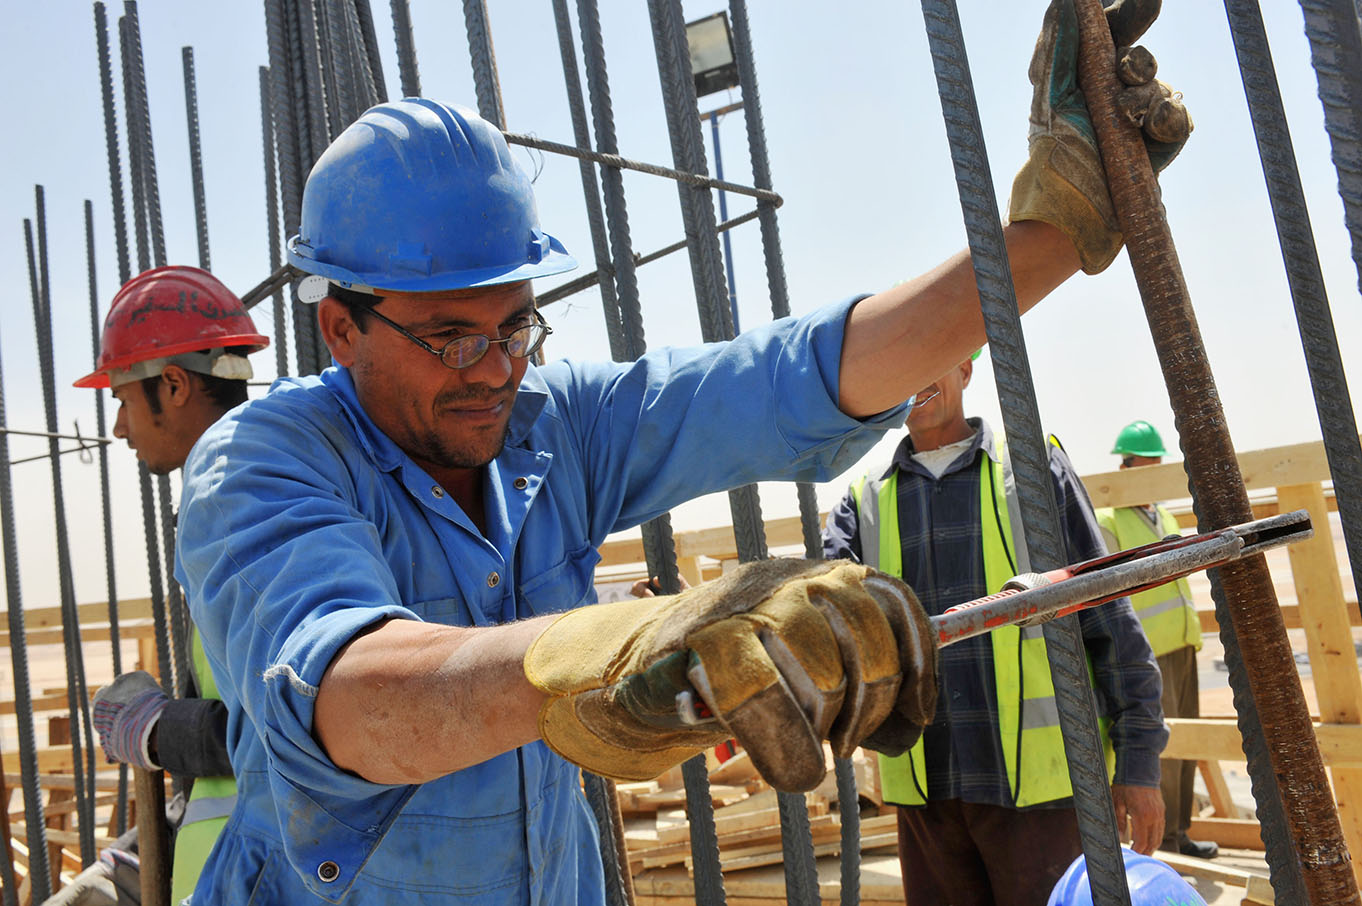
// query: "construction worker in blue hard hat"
[[1168, 615], [391, 562]]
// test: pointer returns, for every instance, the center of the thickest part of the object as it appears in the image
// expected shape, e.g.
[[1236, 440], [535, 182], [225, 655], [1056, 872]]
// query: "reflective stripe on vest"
[[1028, 716], [1167, 613], [210, 802]]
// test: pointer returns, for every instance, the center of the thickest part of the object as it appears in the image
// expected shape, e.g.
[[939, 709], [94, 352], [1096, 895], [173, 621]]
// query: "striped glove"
[[126, 712]]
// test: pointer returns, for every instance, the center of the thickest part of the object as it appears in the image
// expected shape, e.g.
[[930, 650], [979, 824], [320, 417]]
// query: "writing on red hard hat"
[[174, 315]]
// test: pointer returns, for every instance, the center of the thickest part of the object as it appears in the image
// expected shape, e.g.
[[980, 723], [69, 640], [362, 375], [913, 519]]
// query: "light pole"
[[715, 68]]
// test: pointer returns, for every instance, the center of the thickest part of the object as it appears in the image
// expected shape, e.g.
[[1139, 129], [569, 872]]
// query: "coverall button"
[[328, 871], [522, 483], [437, 490], [493, 579]]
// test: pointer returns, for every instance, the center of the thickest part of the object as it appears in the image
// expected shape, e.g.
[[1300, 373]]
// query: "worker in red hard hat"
[[173, 353]]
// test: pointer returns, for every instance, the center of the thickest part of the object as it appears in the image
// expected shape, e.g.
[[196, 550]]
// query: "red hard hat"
[[167, 311]]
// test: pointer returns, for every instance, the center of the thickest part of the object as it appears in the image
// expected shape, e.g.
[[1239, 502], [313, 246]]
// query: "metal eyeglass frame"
[[449, 350]]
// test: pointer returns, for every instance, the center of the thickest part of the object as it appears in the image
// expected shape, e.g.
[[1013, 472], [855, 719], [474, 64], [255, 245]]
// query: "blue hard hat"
[[419, 196], [1151, 882]]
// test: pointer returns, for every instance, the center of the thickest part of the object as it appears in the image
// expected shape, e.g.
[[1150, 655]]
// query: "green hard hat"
[[1139, 438]]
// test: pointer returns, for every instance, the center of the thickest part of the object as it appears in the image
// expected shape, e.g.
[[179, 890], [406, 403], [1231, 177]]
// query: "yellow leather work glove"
[[785, 654], [1062, 182]]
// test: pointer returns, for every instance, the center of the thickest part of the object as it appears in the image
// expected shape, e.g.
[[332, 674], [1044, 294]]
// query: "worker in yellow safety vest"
[[1170, 622], [173, 353], [991, 770]]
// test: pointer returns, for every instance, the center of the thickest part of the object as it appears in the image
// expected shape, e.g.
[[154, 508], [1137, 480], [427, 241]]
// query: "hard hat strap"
[[213, 362]]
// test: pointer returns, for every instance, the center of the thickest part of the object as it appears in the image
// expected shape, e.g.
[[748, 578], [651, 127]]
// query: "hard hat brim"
[[100, 378], [556, 261]]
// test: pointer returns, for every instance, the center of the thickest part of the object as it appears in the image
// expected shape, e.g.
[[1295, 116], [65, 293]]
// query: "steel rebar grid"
[[1333, 402], [39, 866], [711, 291], [191, 112], [106, 509], [272, 237], [1336, 54], [82, 736], [408, 73], [1213, 474], [595, 215], [1027, 448]]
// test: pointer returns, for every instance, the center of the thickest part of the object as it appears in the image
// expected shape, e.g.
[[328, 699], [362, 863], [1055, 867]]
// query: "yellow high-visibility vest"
[[1028, 717], [210, 802], [1167, 613]]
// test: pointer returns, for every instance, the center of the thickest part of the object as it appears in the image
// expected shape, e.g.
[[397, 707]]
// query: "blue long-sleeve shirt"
[[942, 541], [303, 524]]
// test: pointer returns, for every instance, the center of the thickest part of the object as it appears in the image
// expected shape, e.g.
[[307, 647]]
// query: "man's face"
[[147, 432], [944, 400], [444, 417]]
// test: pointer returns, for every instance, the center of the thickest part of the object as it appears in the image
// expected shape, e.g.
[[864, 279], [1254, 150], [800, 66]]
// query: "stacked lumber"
[[747, 824]]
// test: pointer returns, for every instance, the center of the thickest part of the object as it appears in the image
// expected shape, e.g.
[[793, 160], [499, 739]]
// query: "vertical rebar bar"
[[272, 221], [82, 755], [1333, 403], [595, 215], [175, 603], [407, 70], [150, 189], [191, 112], [135, 172], [340, 64], [1213, 474], [1027, 447], [373, 63], [1336, 54], [106, 509], [111, 143], [485, 81], [39, 868]]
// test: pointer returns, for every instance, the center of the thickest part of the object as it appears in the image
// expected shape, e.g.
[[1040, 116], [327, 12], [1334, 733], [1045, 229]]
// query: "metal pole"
[[723, 215], [1213, 474], [1027, 447]]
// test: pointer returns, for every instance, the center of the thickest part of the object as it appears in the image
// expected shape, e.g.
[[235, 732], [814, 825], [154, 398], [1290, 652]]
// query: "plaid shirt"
[[939, 525]]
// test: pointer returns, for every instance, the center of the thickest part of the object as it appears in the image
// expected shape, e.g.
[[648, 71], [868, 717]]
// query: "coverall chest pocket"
[[559, 587]]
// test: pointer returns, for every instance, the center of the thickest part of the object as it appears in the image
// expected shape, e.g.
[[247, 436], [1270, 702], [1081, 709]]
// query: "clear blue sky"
[[857, 150]]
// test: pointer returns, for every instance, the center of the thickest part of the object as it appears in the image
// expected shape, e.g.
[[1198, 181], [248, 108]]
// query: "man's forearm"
[[901, 340], [407, 702]]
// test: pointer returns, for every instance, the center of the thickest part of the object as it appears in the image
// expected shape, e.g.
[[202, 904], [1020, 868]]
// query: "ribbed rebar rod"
[[485, 81], [175, 603], [810, 522], [150, 189], [595, 215], [373, 63], [106, 509], [135, 171], [1026, 446], [1336, 53], [612, 183], [164, 663], [191, 112], [111, 143], [1213, 474], [601, 796], [272, 221], [311, 101], [330, 62], [82, 756], [39, 868], [1333, 403], [408, 72], [688, 155], [849, 811], [341, 64]]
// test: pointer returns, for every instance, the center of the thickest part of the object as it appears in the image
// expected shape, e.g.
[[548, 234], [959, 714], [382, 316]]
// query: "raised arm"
[[902, 339]]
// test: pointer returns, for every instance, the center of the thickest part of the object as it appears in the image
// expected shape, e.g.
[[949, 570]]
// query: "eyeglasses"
[[468, 350]]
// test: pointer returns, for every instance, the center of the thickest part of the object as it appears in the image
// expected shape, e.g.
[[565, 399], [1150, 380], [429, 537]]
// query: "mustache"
[[477, 395]]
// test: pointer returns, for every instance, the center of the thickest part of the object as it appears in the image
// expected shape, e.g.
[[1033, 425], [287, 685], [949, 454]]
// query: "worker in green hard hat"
[[1170, 622]]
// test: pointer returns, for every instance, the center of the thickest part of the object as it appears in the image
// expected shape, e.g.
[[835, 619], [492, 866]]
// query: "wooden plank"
[[1194, 739], [1259, 892], [87, 634], [1204, 868], [1232, 833], [1333, 661], [1291, 616], [1217, 789]]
